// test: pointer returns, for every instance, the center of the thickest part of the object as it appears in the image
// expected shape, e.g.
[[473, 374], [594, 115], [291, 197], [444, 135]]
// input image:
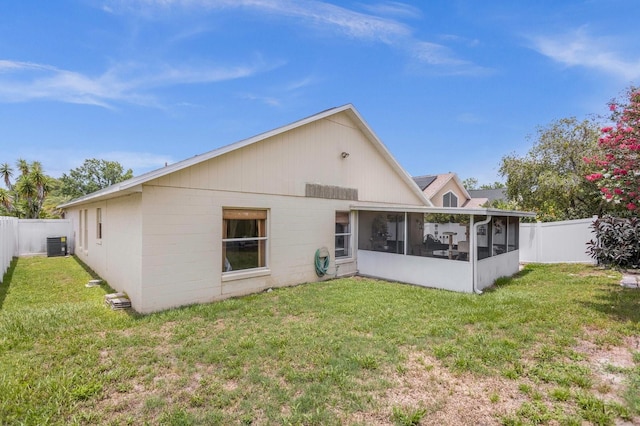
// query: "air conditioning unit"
[[56, 246]]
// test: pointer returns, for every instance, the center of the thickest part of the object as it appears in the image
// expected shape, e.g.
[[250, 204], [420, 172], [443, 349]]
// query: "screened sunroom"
[[450, 248]]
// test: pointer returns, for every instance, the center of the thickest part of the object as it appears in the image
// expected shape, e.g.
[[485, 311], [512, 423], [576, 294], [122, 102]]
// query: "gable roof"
[[437, 182], [135, 184]]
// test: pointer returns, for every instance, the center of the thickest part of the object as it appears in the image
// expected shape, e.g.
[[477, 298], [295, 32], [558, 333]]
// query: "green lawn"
[[553, 345]]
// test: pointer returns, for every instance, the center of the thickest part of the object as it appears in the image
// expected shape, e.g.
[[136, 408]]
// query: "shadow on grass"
[[6, 281], [504, 282], [106, 287], [88, 270], [621, 304]]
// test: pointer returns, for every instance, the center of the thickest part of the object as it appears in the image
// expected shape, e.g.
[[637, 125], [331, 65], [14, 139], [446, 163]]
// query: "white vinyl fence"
[[24, 237], [8, 242], [33, 234], [556, 242]]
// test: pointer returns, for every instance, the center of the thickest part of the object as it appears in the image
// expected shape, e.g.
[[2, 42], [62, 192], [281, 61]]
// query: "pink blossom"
[[612, 107], [631, 206], [593, 177]]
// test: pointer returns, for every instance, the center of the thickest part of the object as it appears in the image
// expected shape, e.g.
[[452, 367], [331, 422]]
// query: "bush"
[[617, 242]]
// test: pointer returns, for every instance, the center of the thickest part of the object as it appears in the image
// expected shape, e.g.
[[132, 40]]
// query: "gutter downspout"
[[474, 260]]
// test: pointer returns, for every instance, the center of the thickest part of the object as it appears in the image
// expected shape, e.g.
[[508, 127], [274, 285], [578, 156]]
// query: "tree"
[[550, 178], [494, 185], [24, 197], [618, 177], [92, 176], [470, 183]]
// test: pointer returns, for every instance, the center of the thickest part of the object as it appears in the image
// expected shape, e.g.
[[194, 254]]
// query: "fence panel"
[[556, 242], [8, 242], [33, 233]]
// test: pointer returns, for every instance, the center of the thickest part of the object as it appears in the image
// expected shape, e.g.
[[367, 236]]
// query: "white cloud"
[[325, 16], [24, 81], [579, 49], [393, 8]]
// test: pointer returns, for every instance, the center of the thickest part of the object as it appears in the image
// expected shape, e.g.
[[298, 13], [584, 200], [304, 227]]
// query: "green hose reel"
[[322, 261]]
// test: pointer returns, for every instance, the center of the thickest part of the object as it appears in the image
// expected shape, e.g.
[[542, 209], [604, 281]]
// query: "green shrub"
[[617, 242]]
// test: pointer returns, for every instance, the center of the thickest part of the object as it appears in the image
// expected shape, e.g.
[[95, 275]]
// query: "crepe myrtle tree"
[[619, 162]]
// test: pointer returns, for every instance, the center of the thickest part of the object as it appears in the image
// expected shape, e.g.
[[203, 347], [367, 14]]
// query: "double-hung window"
[[244, 239], [343, 235]]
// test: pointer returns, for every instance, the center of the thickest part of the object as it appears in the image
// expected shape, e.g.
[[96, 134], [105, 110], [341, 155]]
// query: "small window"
[[86, 229], [244, 239], [99, 223], [343, 234], [449, 200], [80, 243]]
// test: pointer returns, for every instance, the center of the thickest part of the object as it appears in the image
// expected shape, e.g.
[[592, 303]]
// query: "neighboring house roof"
[[424, 181], [489, 194], [432, 184], [135, 184]]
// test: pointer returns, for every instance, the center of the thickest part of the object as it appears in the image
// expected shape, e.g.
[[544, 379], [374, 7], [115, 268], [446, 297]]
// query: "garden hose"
[[322, 261]]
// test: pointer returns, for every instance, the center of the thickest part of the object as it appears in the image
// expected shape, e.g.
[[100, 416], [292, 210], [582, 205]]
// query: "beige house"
[[446, 190], [318, 198]]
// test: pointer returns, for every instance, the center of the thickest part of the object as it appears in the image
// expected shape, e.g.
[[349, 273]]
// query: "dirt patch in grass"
[[608, 364], [446, 398], [424, 384]]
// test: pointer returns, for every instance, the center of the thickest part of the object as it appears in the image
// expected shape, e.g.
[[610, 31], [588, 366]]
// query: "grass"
[[347, 351]]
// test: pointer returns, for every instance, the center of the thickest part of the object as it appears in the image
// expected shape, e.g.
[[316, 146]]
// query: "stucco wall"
[[423, 271], [182, 244], [116, 257], [492, 268]]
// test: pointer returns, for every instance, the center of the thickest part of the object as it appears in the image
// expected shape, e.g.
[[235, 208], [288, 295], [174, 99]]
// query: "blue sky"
[[447, 85]]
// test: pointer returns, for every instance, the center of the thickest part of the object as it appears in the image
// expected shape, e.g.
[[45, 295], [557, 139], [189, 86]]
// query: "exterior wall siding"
[[116, 257], [492, 268], [285, 163], [423, 271], [182, 244], [450, 186]]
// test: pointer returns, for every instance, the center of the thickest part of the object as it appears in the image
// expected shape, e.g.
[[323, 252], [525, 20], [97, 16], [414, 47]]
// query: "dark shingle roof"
[[424, 181], [491, 194]]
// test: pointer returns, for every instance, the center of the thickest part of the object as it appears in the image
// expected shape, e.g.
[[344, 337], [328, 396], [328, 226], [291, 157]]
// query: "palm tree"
[[6, 172], [26, 196], [23, 166], [6, 201]]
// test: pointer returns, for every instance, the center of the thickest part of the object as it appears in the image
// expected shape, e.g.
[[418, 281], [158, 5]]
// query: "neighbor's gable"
[[283, 164]]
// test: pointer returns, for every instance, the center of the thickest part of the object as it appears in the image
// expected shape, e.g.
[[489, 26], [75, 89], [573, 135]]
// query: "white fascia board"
[[443, 210]]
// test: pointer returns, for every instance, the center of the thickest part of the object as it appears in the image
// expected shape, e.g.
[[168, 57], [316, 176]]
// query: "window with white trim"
[[244, 239], [343, 234], [99, 223], [449, 200]]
